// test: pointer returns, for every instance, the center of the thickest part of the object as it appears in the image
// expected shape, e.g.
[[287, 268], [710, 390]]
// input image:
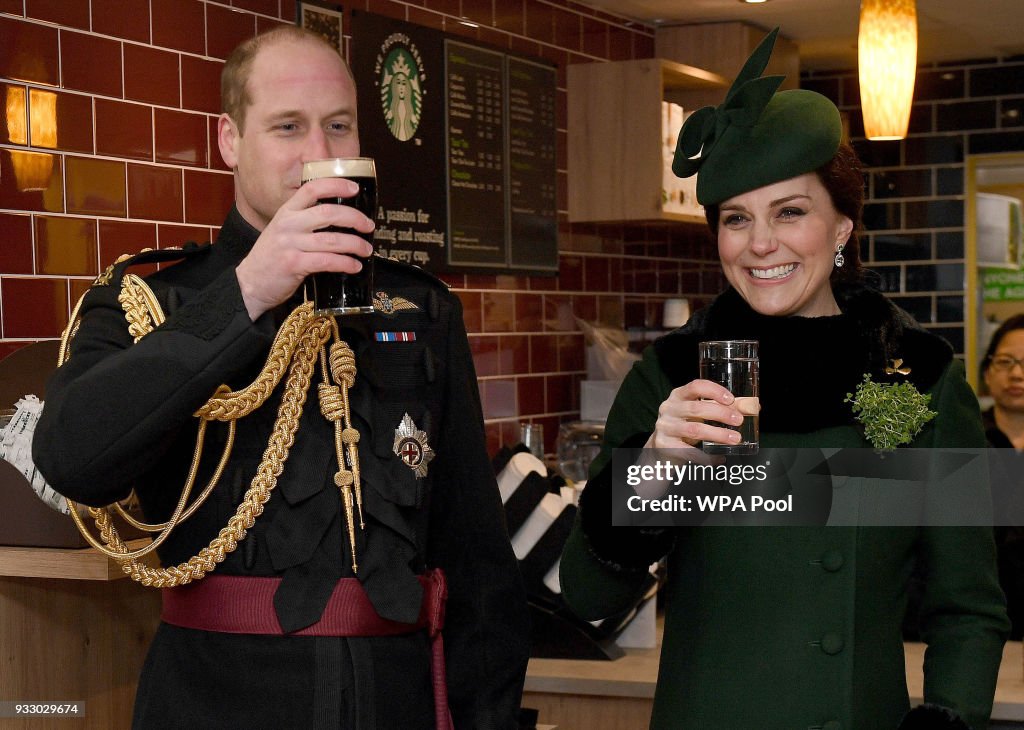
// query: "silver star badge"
[[411, 447]]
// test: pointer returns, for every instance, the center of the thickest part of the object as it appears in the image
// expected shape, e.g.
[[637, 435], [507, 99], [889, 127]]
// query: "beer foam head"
[[338, 167], [758, 136]]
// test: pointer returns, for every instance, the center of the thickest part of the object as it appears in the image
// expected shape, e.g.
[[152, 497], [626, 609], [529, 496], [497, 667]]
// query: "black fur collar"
[[809, 364]]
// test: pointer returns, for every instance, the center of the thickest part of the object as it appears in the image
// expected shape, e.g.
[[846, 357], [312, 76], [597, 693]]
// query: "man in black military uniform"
[[312, 621]]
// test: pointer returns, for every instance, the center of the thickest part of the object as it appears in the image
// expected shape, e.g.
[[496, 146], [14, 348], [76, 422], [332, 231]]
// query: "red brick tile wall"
[[135, 164]]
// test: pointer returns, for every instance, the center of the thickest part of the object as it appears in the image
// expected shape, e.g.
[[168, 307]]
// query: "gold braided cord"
[[231, 405], [334, 406], [103, 515], [343, 370], [69, 332], [143, 313], [218, 472], [295, 349], [251, 507]]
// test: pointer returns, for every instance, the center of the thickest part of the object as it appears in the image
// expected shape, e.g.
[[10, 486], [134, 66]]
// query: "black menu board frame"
[[463, 134]]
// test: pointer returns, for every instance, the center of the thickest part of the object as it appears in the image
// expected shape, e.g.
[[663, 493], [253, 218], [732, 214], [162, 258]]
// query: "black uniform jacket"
[[118, 417]]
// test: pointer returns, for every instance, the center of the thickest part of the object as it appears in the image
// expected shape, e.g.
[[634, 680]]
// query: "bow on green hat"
[[758, 135]]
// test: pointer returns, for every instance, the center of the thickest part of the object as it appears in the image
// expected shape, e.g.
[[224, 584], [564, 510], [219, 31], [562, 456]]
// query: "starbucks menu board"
[[477, 166], [464, 139], [531, 161]]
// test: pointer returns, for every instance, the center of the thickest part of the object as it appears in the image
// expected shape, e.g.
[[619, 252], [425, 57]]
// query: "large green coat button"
[[832, 725], [832, 643], [832, 561]]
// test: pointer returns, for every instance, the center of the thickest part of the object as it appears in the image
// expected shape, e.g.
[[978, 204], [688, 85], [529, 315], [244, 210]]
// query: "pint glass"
[[336, 292]]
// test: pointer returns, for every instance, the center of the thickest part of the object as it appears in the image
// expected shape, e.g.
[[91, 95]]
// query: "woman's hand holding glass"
[[683, 417], [683, 424]]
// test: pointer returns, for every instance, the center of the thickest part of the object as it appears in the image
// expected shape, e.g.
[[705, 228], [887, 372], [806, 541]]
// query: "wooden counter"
[[83, 564], [594, 695], [72, 629], [619, 694]]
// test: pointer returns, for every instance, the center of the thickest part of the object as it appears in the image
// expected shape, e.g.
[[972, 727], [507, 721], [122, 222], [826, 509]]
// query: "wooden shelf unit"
[[615, 153], [64, 563]]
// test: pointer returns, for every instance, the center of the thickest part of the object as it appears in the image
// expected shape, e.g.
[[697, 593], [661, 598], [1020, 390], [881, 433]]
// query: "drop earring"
[[839, 256]]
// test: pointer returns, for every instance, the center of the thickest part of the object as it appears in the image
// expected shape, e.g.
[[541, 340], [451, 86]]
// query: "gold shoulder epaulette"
[[147, 256]]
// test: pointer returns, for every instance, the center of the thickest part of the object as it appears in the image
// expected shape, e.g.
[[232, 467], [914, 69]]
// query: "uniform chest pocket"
[[401, 404], [397, 370], [403, 442]]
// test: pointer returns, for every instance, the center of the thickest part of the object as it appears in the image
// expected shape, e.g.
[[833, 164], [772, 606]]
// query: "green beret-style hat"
[[758, 136]]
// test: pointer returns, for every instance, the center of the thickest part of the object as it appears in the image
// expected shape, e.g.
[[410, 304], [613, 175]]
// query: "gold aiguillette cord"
[[334, 404]]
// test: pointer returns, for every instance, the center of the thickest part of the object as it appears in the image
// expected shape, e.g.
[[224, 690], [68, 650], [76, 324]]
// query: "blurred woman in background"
[[1003, 372]]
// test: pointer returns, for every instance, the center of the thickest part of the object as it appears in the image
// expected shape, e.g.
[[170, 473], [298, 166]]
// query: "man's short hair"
[[234, 78]]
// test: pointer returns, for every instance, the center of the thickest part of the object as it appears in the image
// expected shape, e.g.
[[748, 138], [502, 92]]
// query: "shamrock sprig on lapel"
[[892, 414]]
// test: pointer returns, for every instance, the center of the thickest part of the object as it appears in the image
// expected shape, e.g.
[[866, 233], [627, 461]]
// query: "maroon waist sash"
[[245, 605]]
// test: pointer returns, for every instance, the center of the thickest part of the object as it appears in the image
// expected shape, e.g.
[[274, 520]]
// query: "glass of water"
[[734, 364], [532, 437]]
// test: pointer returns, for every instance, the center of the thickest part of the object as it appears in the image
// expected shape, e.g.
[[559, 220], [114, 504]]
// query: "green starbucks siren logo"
[[400, 80]]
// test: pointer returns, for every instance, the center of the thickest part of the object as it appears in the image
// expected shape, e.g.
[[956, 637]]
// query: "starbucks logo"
[[400, 80]]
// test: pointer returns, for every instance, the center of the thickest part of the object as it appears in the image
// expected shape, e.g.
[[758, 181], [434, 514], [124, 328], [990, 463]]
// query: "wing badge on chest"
[[385, 304], [412, 448]]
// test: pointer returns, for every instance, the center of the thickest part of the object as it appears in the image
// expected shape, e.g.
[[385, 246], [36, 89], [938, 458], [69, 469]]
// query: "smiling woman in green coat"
[[788, 627]]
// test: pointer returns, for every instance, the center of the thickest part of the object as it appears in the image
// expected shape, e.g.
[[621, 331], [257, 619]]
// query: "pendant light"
[[887, 62]]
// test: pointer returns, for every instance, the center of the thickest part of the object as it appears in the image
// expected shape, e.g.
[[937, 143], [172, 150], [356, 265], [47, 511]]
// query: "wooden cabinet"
[[73, 629], [615, 130], [722, 48]]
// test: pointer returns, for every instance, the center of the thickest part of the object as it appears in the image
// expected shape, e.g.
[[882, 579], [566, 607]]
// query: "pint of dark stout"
[[335, 292]]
